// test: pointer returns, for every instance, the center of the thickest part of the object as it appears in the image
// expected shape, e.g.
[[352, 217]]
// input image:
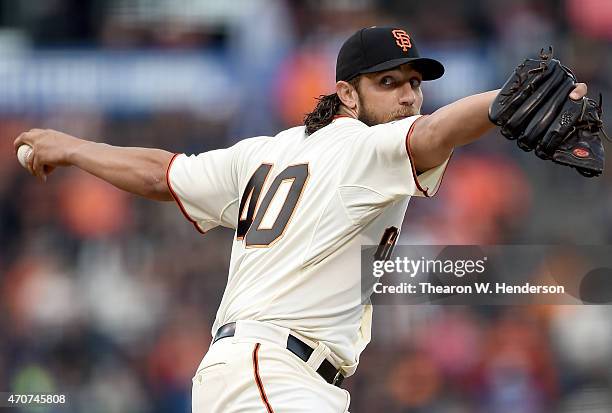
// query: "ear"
[[348, 95]]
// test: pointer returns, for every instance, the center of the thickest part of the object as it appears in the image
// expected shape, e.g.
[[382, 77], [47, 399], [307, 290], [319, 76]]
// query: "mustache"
[[402, 113]]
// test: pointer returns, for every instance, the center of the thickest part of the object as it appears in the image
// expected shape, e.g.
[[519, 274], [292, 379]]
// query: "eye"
[[415, 82], [387, 81]]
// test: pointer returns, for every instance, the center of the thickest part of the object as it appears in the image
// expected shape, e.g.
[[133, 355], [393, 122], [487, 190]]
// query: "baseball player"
[[291, 325]]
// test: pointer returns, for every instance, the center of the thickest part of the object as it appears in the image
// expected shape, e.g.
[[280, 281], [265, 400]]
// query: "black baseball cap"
[[374, 49]]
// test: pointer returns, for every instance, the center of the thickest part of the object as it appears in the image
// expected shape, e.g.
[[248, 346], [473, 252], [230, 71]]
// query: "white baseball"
[[23, 154]]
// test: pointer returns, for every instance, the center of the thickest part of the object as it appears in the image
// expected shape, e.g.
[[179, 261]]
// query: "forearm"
[[463, 121], [140, 171]]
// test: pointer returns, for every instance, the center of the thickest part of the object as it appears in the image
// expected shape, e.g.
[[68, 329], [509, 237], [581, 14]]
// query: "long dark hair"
[[327, 107]]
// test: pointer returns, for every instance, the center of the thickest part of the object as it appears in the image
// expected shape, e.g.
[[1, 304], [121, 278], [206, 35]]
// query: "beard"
[[368, 117]]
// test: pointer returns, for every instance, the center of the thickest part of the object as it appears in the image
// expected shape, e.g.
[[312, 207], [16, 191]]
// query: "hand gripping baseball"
[[49, 149]]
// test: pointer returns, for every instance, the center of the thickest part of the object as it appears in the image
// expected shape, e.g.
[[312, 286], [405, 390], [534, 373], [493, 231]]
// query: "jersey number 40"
[[260, 224]]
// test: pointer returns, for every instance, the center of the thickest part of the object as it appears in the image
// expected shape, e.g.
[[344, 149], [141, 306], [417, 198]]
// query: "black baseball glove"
[[534, 108]]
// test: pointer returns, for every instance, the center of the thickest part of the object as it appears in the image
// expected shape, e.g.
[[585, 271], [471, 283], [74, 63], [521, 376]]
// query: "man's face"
[[389, 95]]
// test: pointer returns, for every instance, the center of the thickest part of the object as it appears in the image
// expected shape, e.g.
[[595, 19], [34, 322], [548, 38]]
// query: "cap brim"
[[431, 69]]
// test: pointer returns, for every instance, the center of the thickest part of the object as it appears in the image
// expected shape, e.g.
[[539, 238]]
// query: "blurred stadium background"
[[110, 298]]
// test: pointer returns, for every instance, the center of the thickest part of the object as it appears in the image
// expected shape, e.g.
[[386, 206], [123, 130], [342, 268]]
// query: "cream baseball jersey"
[[302, 206]]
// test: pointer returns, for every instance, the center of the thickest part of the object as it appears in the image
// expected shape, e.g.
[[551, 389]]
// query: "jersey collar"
[[344, 117]]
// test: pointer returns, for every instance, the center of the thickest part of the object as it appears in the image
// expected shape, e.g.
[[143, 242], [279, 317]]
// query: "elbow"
[[157, 188], [153, 183], [157, 178], [161, 192]]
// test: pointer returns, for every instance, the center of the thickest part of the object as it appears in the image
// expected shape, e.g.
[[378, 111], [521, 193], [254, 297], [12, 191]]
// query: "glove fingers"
[[507, 134], [545, 116], [560, 128], [510, 97], [525, 112]]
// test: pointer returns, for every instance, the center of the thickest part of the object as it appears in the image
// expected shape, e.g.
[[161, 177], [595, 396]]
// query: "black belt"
[[297, 347]]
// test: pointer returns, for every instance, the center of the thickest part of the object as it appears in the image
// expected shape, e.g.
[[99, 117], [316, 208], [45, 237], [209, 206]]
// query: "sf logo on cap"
[[402, 39]]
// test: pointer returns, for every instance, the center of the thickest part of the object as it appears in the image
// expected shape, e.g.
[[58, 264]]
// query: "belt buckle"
[[338, 378]]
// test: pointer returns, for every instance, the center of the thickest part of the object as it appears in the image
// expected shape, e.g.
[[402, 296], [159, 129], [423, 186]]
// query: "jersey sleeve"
[[380, 162], [205, 187]]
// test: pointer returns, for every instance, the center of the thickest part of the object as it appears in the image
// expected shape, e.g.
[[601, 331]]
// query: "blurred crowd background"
[[110, 298]]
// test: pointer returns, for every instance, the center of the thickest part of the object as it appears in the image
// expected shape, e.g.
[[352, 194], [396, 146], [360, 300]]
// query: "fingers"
[[37, 167], [33, 162], [26, 138], [21, 140], [579, 91]]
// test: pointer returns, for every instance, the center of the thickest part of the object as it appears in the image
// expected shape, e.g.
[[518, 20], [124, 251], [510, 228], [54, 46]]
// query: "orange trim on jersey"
[[262, 392], [176, 198], [414, 172]]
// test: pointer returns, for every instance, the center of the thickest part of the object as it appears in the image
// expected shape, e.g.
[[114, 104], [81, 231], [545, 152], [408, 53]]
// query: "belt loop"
[[319, 354]]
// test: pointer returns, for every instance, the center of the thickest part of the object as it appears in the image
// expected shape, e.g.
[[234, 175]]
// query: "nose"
[[407, 95]]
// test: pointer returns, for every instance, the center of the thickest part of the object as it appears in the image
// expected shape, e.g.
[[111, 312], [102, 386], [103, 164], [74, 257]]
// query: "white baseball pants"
[[254, 372]]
